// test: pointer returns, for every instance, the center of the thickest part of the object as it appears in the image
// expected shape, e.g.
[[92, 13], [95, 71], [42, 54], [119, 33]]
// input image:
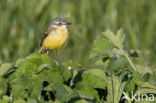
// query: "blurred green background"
[[22, 22]]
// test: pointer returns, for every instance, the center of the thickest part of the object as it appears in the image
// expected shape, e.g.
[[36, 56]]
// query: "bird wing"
[[46, 33]]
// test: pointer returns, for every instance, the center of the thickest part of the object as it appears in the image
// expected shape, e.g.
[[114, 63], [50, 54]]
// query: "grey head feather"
[[59, 22]]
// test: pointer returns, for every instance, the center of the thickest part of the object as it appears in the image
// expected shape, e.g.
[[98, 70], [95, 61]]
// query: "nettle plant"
[[112, 78]]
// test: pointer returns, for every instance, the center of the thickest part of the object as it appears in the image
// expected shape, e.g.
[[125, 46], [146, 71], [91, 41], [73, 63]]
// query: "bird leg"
[[46, 51]]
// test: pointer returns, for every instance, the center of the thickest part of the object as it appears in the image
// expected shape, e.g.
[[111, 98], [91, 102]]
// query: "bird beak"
[[68, 23]]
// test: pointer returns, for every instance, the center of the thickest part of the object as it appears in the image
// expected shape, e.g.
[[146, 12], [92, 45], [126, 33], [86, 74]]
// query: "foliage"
[[22, 22], [40, 78]]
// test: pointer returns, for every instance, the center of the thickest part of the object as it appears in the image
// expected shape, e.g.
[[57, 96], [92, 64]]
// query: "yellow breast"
[[56, 38]]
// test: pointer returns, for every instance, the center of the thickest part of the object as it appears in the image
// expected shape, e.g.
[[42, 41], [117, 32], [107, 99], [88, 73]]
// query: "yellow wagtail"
[[55, 35]]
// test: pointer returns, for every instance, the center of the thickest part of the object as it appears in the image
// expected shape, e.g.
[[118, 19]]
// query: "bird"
[[55, 35]]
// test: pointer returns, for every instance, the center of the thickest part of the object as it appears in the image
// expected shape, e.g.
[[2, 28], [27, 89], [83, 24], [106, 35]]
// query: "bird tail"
[[43, 51]]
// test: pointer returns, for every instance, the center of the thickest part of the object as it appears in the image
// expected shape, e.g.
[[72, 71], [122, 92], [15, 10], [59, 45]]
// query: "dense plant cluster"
[[38, 78], [22, 23]]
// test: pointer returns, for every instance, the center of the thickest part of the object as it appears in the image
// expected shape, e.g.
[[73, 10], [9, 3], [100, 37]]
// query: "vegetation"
[[92, 66], [38, 78]]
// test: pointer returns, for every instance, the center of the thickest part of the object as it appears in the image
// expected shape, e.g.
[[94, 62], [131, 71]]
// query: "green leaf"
[[65, 72], [35, 88], [4, 99], [71, 64], [100, 47], [5, 68], [48, 75], [19, 87], [87, 93], [81, 101], [143, 69], [95, 78], [117, 40], [103, 63], [3, 86], [91, 79], [19, 101], [30, 65], [31, 100], [120, 36], [18, 91], [120, 52], [135, 81], [43, 67], [32, 71], [146, 88], [63, 92], [117, 65], [19, 61], [115, 87]]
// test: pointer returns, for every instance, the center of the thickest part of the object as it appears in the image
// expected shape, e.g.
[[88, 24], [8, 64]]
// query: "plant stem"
[[130, 61]]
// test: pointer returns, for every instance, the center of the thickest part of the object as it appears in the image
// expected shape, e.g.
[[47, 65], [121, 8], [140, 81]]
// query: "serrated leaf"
[[37, 80], [103, 64], [116, 40], [18, 91], [115, 87], [146, 88], [95, 78], [143, 69], [30, 65], [121, 36], [30, 73], [19, 61], [135, 81], [100, 47], [63, 92], [117, 65], [5, 68], [65, 73]]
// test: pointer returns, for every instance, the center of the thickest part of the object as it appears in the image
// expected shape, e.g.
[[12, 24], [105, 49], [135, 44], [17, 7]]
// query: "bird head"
[[60, 22]]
